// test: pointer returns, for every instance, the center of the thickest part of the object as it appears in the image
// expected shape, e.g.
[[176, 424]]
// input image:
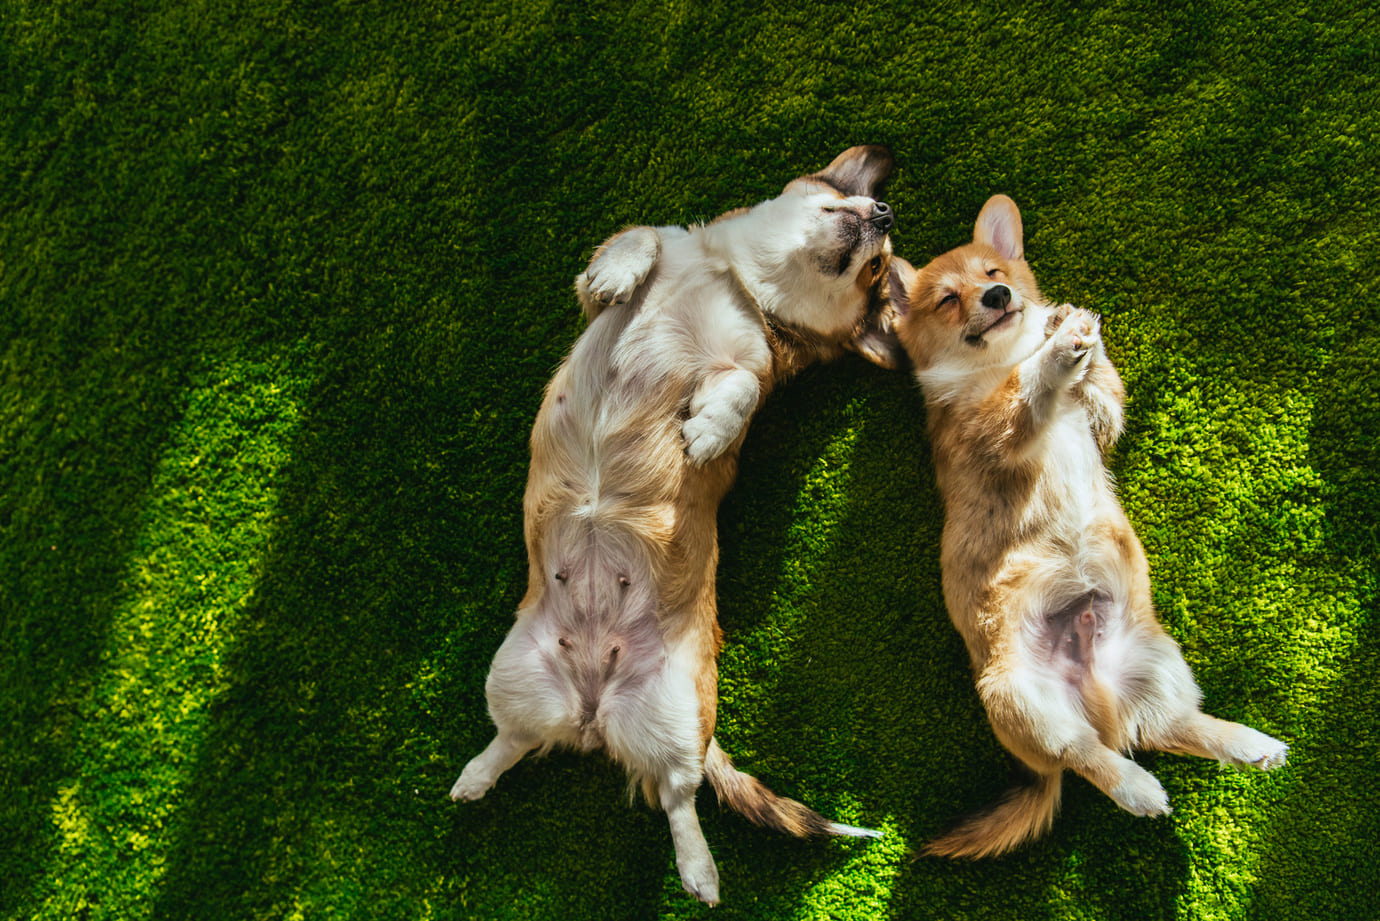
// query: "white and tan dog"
[[636, 442], [1043, 575]]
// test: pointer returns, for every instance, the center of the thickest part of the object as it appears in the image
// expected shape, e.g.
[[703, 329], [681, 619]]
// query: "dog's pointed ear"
[[900, 276], [858, 170], [999, 226]]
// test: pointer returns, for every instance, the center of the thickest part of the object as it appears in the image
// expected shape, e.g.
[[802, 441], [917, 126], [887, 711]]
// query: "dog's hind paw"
[[1264, 752], [701, 879], [470, 787], [1139, 793]]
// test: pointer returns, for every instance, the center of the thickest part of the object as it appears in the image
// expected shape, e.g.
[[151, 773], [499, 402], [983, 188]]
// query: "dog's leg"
[[698, 874], [1166, 706], [719, 411], [656, 734], [484, 769], [1230, 743], [1102, 395], [657, 738], [617, 268], [1130, 786], [1061, 362]]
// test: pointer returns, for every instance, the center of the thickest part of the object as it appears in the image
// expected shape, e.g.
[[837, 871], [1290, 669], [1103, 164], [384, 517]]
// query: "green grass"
[[281, 284]]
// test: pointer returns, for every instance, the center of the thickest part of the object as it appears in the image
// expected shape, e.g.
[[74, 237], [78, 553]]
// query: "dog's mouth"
[[1000, 322]]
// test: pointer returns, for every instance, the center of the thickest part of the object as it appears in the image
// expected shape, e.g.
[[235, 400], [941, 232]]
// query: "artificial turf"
[[281, 284]]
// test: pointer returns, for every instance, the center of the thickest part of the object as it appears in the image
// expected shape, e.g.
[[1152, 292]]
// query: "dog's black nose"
[[881, 216], [996, 297]]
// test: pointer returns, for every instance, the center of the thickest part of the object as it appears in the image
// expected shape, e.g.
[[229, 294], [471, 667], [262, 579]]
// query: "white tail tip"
[[853, 831]]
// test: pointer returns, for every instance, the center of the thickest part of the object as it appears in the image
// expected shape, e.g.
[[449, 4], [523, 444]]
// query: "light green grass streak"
[[862, 885], [208, 522]]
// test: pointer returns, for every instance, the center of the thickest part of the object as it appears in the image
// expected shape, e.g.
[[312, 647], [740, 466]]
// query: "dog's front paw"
[[621, 265], [611, 282], [1073, 342], [1057, 315], [705, 438]]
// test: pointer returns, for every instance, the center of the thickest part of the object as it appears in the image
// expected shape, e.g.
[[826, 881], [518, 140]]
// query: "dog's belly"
[[1067, 593], [1076, 600], [641, 707], [609, 459], [1080, 649]]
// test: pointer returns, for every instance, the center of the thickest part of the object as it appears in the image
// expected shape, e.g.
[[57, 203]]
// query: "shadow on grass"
[[312, 757]]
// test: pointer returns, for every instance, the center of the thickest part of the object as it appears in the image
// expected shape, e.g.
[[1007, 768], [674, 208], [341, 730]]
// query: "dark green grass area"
[[281, 284]]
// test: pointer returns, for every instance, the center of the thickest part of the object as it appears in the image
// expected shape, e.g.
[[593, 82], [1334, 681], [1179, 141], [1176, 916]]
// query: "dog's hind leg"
[[1131, 786], [654, 729], [1075, 745], [1227, 742], [1167, 705], [519, 710], [484, 769], [698, 874], [1044, 720]]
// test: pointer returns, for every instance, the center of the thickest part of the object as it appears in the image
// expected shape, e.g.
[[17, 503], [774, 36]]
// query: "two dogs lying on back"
[[636, 442]]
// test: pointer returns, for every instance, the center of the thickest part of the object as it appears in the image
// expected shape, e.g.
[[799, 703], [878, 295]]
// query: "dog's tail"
[[747, 795], [1024, 812]]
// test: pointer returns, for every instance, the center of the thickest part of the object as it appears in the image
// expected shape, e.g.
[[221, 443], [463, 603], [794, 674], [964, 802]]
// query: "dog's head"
[[816, 257], [975, 306]]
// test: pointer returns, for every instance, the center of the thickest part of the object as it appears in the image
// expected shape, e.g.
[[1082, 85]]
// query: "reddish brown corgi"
[[1043, 575]]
